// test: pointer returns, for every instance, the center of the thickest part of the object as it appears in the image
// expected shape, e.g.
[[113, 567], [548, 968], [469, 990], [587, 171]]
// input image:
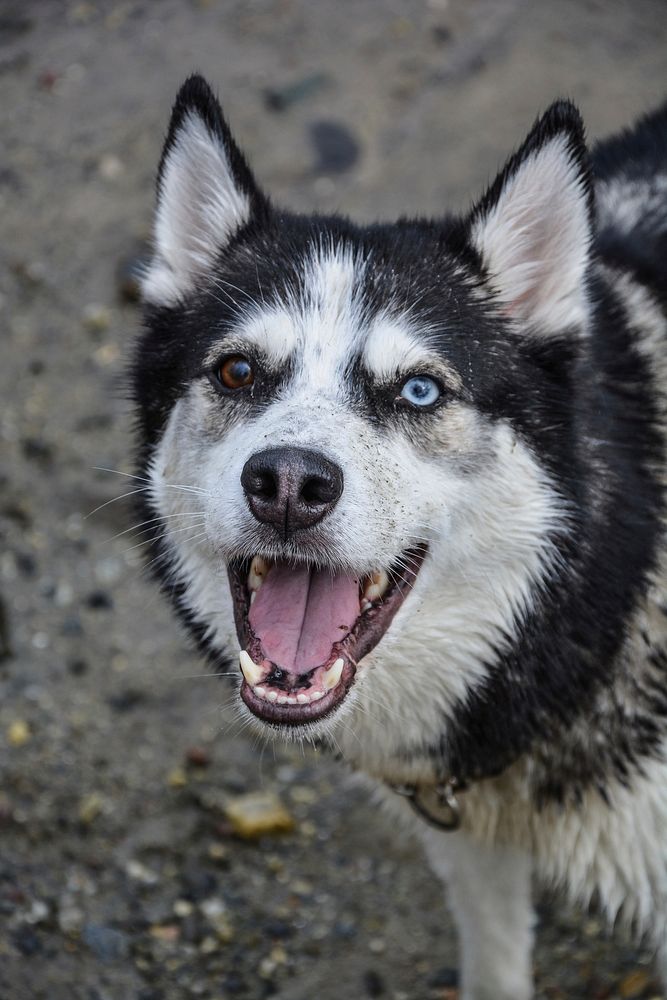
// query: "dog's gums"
[[304, 630]]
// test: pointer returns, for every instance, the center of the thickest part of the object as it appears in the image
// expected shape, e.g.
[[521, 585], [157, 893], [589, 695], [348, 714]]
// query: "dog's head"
[[354, 436]]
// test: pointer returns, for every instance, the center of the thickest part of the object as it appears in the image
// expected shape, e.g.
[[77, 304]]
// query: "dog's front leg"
[[489, 895]]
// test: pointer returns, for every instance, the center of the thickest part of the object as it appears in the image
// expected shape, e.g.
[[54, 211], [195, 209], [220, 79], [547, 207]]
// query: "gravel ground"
[[122, 874]]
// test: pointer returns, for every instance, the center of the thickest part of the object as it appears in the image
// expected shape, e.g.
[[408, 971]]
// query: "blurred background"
[[130, 868]]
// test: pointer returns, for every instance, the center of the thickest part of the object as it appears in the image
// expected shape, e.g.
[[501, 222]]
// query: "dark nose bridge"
[[291, 488]]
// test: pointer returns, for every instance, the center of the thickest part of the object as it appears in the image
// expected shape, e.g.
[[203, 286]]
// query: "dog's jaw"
[[297, 679]]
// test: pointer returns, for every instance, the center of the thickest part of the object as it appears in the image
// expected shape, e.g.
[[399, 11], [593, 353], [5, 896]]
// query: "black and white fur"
[[530, 658]]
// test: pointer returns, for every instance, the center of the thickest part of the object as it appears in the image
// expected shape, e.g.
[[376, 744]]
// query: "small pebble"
[[90, 808], [197, 757], [281, 98], [107, 944], [336, 147], [212, 908], [258, 813], [373, 984], [217, 852], [27, 942], [444, 977], [177, 778], [107, 354], [141, 873], [70, 919], [267, 967], [302, 794], [37, 450], [18, 733], [99, 600], [96, 318], [634, 984], [125, 700], [37, 913], [110, 167], [169, 933], [208, 946]]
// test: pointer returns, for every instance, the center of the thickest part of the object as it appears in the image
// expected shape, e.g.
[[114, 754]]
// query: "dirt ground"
[[120, 877]]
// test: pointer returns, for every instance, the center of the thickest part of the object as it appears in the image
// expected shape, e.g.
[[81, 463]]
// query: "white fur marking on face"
[[535, 240], [269, 332], [392, 347], [199, 208]]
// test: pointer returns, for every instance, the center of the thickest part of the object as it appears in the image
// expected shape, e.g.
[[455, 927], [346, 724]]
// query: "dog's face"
[[353, 436]]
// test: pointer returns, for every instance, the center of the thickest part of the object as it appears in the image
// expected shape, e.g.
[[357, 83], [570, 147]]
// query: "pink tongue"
[[298, 614]]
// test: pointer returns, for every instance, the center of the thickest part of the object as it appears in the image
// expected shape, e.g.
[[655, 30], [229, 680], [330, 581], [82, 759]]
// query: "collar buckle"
[[437, 803]]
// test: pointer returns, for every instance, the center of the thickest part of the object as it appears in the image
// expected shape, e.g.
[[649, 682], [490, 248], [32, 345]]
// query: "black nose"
[[291, 488]]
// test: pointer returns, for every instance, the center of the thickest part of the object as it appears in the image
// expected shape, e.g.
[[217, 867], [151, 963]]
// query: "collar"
[[436, 803]]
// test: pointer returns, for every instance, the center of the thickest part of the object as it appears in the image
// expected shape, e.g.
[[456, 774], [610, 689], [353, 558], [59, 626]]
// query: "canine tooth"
[[272, 696], [259, 567], [252, 672], [302, 699], [376, 585], [365, 605], [333, 675]]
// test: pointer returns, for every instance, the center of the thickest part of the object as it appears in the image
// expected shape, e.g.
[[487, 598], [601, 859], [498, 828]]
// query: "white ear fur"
[[200, 206], [535, 239]]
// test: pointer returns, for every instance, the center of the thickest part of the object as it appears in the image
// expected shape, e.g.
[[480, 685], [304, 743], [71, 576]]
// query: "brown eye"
[[236, 372]]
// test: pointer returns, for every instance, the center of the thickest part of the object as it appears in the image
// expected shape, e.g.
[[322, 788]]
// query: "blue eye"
[[421, 391]]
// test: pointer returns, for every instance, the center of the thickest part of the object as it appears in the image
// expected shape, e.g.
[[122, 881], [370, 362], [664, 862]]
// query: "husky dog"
[[425, 462]]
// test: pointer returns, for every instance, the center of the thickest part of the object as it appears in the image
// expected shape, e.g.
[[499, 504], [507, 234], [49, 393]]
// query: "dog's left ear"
[[533, 228], [205, 195]]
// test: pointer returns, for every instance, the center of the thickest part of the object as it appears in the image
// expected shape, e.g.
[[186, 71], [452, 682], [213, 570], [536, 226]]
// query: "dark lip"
[[367, 631], [299, 715]]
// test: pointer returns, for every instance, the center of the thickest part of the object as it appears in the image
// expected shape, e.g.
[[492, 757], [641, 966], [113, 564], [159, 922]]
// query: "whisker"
[[166, 534], [143, 479], [153, 520], [114, 499]]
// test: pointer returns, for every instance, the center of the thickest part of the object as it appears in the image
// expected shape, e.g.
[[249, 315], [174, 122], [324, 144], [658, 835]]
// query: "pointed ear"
[[205, 194], [533, 228]]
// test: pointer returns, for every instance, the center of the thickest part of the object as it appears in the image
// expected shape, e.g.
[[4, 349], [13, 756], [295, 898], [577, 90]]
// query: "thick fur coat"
[[451, 434]]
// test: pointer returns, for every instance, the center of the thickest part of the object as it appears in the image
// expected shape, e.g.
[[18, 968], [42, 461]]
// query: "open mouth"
[[303, 631]]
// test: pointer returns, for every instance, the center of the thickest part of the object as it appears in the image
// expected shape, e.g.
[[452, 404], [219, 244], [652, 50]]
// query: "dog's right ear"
[[205, 195]]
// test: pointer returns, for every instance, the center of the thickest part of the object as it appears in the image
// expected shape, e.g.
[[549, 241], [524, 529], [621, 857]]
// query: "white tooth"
[[291, 700], [365, 605], [260, 691], [253, 595], [316, 695], [259, 567], [333, 675], [252, 672], [376, 585], [282, 699], [302, 699], [272, 696]]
